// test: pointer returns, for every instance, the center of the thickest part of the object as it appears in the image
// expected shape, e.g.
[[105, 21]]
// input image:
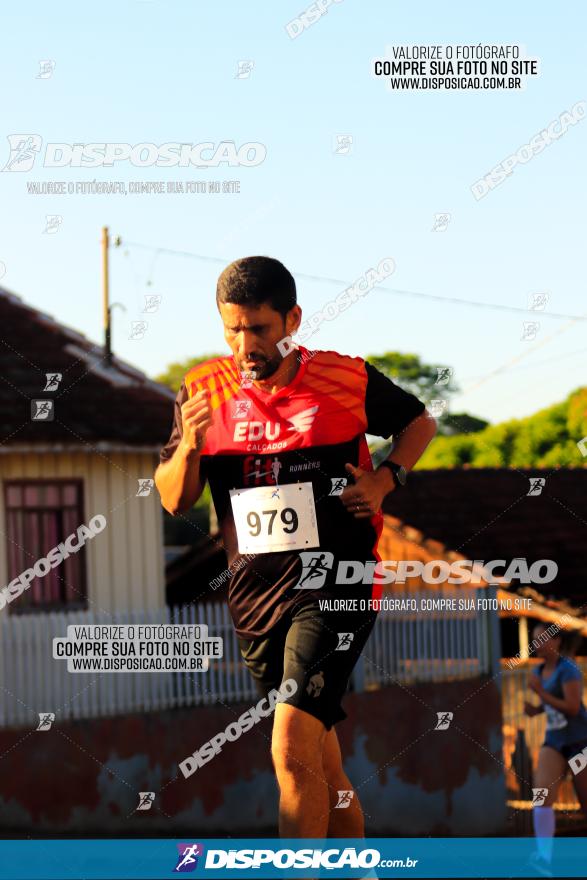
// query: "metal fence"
[[404, 646], [31, 681], [432, 645]]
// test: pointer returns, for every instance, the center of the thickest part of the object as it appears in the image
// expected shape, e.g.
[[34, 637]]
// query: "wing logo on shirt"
[[303, 420]]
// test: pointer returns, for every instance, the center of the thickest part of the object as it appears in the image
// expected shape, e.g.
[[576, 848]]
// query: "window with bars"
[[40, 514]]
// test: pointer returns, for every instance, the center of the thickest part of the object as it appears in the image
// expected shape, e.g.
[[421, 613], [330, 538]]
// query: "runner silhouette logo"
[[315, 567]]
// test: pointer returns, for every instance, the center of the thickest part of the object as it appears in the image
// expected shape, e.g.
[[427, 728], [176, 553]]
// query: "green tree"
[[423, 380], [173, 375], [461, 423], [414, 376], [548, 438]]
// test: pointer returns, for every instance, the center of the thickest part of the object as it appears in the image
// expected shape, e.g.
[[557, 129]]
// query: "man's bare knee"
[[296, 746], [290, 755]]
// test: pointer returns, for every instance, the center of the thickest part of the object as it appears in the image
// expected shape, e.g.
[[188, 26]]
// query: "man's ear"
[[293, 319]]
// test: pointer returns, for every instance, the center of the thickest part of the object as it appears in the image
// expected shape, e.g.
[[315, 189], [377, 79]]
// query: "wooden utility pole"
[[106, 297]]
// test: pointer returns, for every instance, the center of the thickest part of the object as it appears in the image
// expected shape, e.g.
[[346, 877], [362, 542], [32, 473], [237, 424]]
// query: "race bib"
[[273, 518], [555, 720]]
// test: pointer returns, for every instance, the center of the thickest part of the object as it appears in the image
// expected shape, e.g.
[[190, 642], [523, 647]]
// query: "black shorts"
[[318, 649], [568, 751]]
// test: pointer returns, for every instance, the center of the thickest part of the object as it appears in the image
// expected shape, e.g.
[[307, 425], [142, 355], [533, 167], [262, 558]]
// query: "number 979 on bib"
[[269, 519]]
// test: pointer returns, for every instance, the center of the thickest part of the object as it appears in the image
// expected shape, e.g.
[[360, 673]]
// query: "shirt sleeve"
[[176, 428], [389, 409], [570, 672]]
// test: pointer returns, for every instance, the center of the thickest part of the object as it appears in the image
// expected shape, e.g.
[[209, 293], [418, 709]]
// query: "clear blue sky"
[[156, 72]]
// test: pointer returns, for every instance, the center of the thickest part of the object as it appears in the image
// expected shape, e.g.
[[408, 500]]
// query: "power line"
[[552, 360], [508, 364], [395, 291], [573, 319]]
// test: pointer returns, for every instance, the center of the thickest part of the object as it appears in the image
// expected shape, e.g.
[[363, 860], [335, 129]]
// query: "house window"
[[40, 514]]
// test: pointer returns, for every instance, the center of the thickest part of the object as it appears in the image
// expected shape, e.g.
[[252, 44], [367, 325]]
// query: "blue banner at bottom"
[[441, 857]]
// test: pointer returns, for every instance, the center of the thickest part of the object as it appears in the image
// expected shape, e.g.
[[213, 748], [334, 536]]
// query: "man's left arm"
[[390, 411], [412, 442]]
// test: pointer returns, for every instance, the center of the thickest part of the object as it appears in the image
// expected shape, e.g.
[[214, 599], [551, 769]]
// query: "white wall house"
[[47, 494], [77, 437]]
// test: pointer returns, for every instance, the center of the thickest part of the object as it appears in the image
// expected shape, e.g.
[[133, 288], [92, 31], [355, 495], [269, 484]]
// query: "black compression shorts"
[[318, 649]]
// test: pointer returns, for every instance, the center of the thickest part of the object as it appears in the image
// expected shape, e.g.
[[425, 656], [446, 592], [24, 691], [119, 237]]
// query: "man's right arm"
[[179, 479]]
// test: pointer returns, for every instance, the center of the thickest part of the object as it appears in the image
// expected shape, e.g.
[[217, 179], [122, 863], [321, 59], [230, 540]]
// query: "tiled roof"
[[402, 542], [487, 514], [93, 404]]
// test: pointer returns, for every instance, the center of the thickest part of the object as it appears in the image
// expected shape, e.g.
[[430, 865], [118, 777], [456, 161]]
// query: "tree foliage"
[[413, 375], [423, 380], [547, 438], [173, 375]]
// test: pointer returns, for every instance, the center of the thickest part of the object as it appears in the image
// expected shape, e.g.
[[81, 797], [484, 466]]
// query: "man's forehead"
[[247, 316]]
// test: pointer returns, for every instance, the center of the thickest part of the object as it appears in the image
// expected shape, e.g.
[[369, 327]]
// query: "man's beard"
[[264, 367]]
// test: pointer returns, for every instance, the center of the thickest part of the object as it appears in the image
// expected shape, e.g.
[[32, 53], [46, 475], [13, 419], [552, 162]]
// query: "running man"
[[558, 682], [310, 410]]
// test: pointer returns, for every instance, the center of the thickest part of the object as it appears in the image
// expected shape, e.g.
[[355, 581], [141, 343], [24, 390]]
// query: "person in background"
[[558, 682]]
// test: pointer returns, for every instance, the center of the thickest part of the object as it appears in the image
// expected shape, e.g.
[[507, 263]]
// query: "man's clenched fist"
[[196, 418]]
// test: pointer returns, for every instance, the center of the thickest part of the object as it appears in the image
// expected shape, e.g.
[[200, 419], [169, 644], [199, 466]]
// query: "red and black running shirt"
[[304, 432]]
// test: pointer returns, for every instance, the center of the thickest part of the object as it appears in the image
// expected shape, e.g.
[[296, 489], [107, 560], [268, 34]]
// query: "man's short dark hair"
[[253, 281]]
